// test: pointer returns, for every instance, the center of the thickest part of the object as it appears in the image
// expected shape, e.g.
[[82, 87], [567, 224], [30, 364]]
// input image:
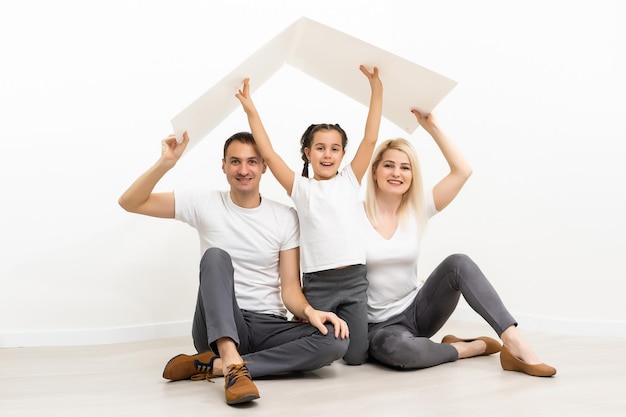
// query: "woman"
[[402, 313]]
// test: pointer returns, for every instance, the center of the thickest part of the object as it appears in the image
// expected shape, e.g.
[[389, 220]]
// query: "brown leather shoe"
[[493, 346], [239, 386], [511, 363], [187, 366]]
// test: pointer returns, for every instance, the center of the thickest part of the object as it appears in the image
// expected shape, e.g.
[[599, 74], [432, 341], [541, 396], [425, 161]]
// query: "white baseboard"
[[592, 328], [82, 337]]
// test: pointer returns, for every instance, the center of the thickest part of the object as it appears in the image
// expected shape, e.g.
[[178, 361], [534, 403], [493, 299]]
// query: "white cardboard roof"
[[331, 57]]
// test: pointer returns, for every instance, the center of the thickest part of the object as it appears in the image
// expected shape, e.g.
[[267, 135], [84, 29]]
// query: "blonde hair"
[[412, 203]]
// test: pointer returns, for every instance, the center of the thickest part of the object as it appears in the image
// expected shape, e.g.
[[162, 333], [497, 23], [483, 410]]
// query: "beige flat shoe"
[[511, 363]]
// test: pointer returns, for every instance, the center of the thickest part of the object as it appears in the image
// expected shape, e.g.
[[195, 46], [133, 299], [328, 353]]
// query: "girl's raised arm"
[[279, 168], [372, 125]]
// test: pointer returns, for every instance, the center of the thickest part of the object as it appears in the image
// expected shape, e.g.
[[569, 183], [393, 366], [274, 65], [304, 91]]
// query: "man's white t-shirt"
[[253, 237]]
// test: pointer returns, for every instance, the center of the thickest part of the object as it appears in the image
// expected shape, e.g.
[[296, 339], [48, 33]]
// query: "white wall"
[[88, 90]]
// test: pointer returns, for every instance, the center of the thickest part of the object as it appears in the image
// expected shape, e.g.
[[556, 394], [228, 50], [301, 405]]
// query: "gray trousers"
[[270, 344], [403, 341], [344, 292]]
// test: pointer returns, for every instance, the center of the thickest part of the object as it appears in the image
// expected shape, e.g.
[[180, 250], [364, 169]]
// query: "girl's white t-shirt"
[[331, 234]]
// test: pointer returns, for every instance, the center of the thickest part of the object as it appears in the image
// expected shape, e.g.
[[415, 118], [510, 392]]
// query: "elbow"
[[462, 172], [122, 203], [125, 204]]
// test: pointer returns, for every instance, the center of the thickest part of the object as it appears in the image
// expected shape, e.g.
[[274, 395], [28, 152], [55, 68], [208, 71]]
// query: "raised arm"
[[460, 170], [139, 198], [296, 302], [279, 168], [372, 125]]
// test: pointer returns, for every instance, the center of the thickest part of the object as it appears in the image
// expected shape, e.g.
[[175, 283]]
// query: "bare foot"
[[515, 343], [470, 349]]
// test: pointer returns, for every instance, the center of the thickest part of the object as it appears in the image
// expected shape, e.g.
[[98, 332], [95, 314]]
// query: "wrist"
[[306, 311], [433, 129], [164, 164]]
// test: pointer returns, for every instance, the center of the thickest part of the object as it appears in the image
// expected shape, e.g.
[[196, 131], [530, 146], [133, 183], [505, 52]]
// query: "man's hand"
[[171, 150], [318, 318]]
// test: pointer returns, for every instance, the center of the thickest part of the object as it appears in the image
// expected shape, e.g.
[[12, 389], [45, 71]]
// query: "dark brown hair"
[[243, 137], [307, 138]]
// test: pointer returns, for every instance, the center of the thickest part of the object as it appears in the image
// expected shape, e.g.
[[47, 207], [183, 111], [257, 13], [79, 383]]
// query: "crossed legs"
[[269, 344]]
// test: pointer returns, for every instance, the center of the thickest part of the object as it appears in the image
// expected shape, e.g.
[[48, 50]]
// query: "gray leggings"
[[344, 292], [270, 344], [403, 341]]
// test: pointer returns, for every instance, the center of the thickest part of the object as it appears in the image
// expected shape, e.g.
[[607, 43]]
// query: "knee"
[[216, 262], [333, 348], [214, 255], [460, 263], [386, 349], [400, 351], [458, 259]]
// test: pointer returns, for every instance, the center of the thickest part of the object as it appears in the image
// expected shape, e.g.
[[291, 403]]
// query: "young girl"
[[332, 248]]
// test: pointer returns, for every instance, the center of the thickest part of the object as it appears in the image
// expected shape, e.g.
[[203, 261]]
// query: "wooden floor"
[[125, 380]]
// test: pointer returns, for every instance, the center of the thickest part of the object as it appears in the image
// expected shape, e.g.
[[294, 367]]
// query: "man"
[[250, 262]]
